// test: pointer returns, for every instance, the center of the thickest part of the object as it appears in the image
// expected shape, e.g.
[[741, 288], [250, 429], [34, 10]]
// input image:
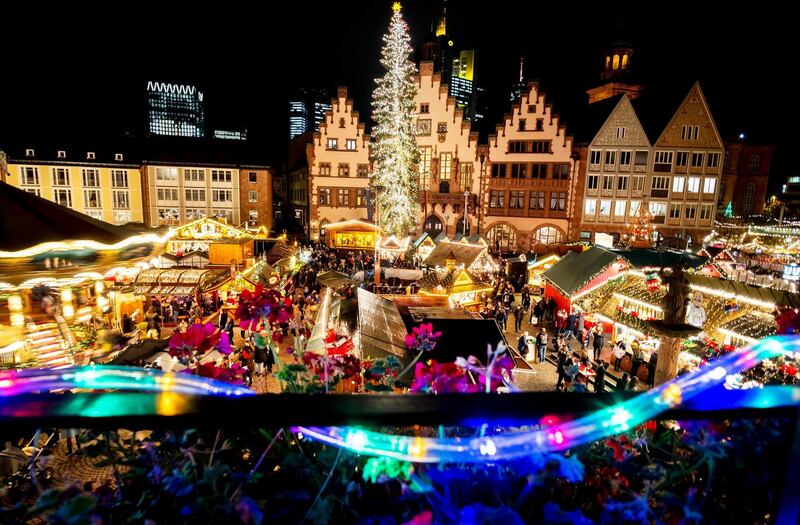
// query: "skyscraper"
[[175, 110], [462, 82], [307, 110]]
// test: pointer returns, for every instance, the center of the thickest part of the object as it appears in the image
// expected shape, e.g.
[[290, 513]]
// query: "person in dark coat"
[[622, 383], [638, 357], [651, 369], [518, 315], [600, 378], [561, 369], [260, 358], [597, 343], [522, 344]]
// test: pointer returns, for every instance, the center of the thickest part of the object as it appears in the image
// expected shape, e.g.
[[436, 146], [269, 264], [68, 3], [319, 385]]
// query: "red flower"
[[422, 338], [788, 321], [441, 378], [198, 339]]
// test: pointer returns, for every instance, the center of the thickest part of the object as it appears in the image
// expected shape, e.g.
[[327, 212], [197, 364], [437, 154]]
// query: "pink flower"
[[422, 338]]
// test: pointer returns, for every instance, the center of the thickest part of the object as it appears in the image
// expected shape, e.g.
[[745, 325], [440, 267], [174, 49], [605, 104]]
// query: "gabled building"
[[745, 174], [526, 192], [448, 158], [338, 168]]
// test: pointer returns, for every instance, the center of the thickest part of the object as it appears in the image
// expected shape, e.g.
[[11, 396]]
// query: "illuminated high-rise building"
[[175, 110], [462, 82], [307, 110]]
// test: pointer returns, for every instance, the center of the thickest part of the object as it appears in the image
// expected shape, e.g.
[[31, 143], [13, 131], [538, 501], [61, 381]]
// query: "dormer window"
[[29, 153], [61, 154], [118, 156], [90, 155]]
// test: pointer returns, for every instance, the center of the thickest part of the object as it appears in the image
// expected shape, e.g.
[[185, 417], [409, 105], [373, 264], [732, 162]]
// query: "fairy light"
[[698, 387], [637, 302]]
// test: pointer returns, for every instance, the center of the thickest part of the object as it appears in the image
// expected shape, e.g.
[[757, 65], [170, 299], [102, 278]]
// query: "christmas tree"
[[729, 210], [395, 150], [641, 232]]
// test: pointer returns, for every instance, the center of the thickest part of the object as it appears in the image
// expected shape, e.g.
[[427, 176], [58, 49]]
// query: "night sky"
[[79, 71]]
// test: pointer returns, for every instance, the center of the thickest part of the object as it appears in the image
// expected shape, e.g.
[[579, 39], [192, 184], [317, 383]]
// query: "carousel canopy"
[[27, 220], [462, 253], [574, 270]]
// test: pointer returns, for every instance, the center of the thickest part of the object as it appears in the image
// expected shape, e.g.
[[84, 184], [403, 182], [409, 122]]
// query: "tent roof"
[[644, 258], [757, 293], [463, 253], [27, 220], [574, 270]]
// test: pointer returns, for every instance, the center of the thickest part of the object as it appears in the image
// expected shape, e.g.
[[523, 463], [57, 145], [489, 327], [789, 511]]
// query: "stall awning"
[[574, 270], [462, 253], [753, 326], [175, 281]]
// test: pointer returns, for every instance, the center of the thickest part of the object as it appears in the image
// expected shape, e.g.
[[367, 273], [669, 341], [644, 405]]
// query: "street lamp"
[[376, 263]]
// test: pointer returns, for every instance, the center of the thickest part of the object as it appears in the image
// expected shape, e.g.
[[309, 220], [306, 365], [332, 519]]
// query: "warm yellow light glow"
[[396, 7], [98, 287], [15, 303], [82, 245], [66, 295], [69, 311]]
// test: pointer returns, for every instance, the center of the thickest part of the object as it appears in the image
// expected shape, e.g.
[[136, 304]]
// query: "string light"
[[699, 386]]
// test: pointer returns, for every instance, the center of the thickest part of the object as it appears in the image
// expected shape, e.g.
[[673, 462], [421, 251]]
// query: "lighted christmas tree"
[[395, 150], [641, 232], [729, 210]]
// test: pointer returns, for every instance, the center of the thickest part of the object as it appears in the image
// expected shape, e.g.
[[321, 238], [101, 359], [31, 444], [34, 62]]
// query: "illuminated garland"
[[700, 385], [14, 383]]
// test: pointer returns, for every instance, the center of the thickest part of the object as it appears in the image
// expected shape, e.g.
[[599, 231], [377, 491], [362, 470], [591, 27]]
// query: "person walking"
[[597, 343], [502, 317], [622, 383], [600, 378], [638, 357], [651, 369], [536, 314], [541, 344], [561, 366], [619, 353], [518, 315]]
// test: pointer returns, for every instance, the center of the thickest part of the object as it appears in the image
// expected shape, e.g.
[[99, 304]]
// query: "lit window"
[[351, 144], [677, 184], [333, 143], [119, 178], [90, 155], [252, 196], [709, 185], [91, 199], [62, 154], [693, 184], [91, 178]]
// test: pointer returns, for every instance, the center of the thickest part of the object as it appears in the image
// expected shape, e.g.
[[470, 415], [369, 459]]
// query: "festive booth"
[[473, 257], [423, 245], [577, 274], [222, 243], [351, 235], [176, 281], [459, 286]]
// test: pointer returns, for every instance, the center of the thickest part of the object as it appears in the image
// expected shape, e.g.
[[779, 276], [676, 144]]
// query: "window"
[[502, 237], [119, 178], [496, 199], [445, 160], [663, 161], [547, 235], [343, 197], [118, 157], [341, 122], [608, 182], [224, 213], [121, 199], [620, 132], [540, 146], [693, 184], [194, 175], [221, 196], [611, 157], [424, 127], [706, 212], [539, 123], [63, 197], [658, 209], [29, 153], [168, 215], [195, 195], [424, 107], [747, 200], [622, 182], [624, 158], [531, 108], [444, 187], [91, 178], [605, 208], [60, 177], [252, 215], [590, 208], [94, 214], [324, 168], [122, 217], [660, 183], [91, 199], [167, 174], [641, 158], [252, 196], [753, 163], [691, 211], [61, 154], [681, 158], [619, 209], [350, 144], [517, 146], [520, 171], [362, 170], [709, 185], [537, 200], [361, 198], [521, 124], [690, 132], [433, 225], [325, 196], [594, 157], [516, 199], [167, 194], [466, 175], [333, 143], [34, 191], [90, 155], [677, 184], [713, 160], [591, 182], [344, 170], [539, 171], [697, 160], [252, 177], [637, 183], [558, 200], [221, 175], [633, 208], [498, 171], [561, 171], [30, 175], [674, 211], [192, 214], [441, 127], [425, 157]]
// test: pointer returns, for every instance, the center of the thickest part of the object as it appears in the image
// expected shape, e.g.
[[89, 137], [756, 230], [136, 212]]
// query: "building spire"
[[441, 28], [521, 67]]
